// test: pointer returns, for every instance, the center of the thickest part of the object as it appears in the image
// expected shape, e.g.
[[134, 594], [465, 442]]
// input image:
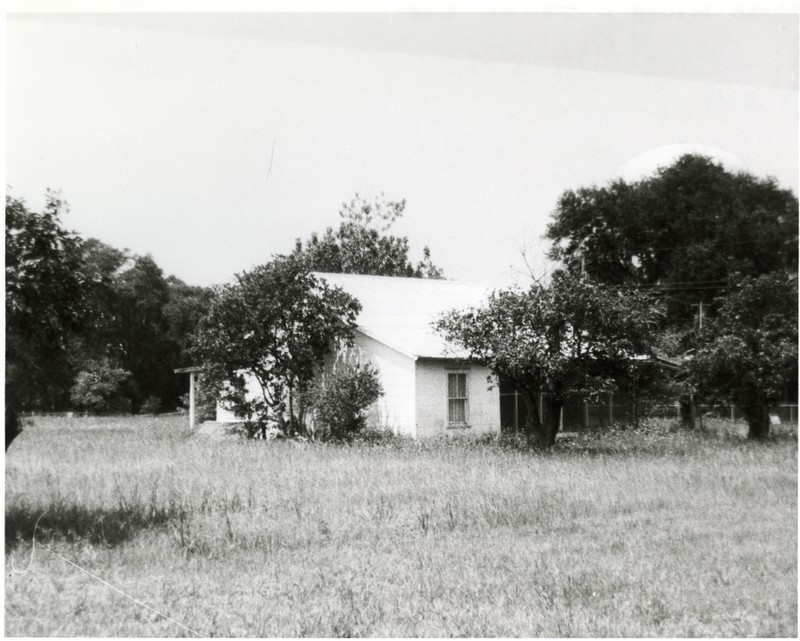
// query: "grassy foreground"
[[632, 534]]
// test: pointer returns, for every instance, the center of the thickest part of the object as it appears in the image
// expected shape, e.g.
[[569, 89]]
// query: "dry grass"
[[650, 533]]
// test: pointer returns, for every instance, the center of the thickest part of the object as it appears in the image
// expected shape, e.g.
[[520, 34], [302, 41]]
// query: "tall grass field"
[[144, 529]]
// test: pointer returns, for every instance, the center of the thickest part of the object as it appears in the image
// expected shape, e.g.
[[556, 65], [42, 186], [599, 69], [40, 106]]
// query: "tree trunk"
[[292, 425], [687, 413], [12, 425], [532, 424], [758, 422], [552, 421]]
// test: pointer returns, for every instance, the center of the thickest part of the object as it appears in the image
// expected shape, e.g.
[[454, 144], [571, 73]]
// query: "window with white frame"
[[457, 407]]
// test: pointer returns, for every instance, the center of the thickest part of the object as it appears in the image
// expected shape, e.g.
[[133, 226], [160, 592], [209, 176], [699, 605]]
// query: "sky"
[[212, 141]]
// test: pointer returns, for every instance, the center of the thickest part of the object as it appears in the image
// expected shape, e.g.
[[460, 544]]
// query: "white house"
[[429, 389]]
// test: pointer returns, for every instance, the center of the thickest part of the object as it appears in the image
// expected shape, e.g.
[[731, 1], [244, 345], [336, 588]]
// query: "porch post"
[[193, 372], [191, 400]]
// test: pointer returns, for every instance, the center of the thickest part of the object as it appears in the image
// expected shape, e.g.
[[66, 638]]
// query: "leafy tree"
[[681, 232], [270, 331], [143, 319], [572, 337], [142, 332], [46, 304], [100, 267], [101, 388], [185, 306], [341, 398], [102, 262], [361, 245], [748, 353]]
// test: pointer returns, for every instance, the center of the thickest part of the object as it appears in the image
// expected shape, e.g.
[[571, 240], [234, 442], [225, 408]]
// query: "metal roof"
[[398, 312]]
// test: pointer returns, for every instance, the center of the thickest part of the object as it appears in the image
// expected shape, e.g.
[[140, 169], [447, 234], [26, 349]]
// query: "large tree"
[[681, 232], [748, 353], [46, 305], [570, 337], [265, 337], [143, 333], [361, 244]]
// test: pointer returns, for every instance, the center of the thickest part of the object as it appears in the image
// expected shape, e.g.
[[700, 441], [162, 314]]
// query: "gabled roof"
[[398, 312]]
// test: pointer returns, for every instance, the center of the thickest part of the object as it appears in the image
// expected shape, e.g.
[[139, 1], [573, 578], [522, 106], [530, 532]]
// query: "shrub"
[[340, 399], [151, 405], [101, 388]]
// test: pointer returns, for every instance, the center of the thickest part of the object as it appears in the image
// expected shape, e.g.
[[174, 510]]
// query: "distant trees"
[[142, 331], [143, 322], [748, 352], [266, 335], [361, 245], [571, 337], [79, 312]]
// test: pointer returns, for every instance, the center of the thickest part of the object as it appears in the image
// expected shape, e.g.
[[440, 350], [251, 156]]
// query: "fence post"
[[541, 409], [610, 409], [585, 414], [733, 416]]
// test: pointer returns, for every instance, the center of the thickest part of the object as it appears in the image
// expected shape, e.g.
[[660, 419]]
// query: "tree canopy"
[[748, 352], [571, 337], [682, 232], [46, 305], [143, 321], [273, 326], [361, 244]]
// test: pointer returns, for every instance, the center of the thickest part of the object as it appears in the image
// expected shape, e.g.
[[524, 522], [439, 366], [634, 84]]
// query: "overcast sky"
[[213, 141]]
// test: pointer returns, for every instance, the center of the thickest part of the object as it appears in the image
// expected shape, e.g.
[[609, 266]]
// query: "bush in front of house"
[[340, 400]]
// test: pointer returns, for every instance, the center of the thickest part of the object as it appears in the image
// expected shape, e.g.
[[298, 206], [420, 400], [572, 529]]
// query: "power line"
[[713, 243], [684, 286], [713, 284]]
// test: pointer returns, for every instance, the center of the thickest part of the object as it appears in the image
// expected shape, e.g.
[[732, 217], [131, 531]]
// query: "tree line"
[[90, 326], [693, 263]]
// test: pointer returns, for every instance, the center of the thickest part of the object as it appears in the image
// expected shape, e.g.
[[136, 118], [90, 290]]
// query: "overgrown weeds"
[[625, 533]]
